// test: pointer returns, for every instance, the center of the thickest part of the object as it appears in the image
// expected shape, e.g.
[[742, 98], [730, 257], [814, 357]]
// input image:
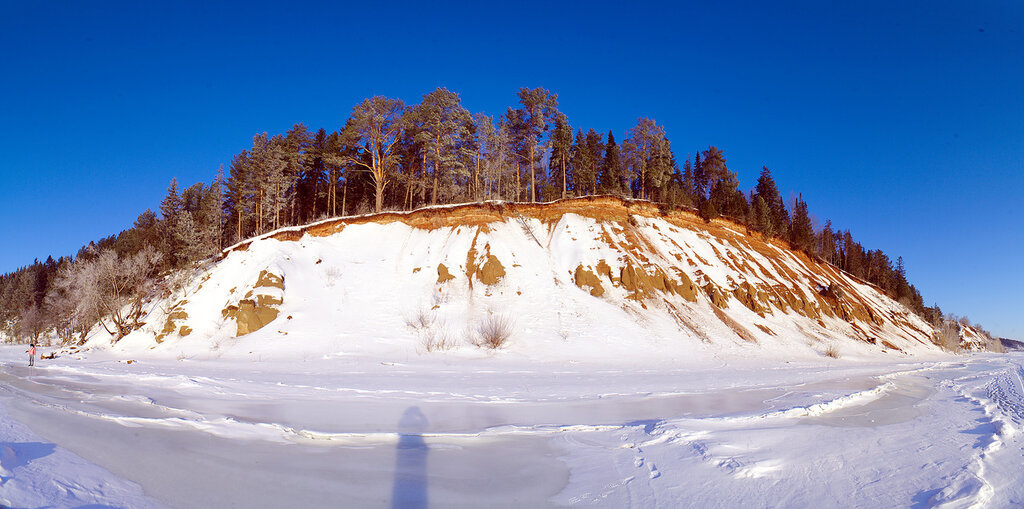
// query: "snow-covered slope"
[[584, 279]]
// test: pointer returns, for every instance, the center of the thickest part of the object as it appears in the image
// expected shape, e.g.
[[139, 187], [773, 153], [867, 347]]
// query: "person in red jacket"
[[32, 354]]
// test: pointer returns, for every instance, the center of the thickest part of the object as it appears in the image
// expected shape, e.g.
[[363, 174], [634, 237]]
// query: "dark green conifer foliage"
[[688, 184], [646, 157], [442, 128], [777, 222], [612, 178], [170, 210], [700, 179], [561, 155], [801, 234], [724, 196], [595, 158]]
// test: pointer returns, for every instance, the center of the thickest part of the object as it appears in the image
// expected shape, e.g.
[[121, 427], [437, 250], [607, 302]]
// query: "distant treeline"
[[392, 156]]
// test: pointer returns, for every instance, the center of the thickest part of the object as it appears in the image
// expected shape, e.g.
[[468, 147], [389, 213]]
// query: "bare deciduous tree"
[[107, 287]]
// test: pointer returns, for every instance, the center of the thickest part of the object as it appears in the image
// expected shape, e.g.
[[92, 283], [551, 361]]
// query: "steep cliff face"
[[591, 277]]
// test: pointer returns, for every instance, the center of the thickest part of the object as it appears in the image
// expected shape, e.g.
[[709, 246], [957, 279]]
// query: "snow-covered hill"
[[583, 279]]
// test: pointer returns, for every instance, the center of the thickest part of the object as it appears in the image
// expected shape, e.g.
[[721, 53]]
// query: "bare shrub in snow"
[[832, 351], [420, 321], [178, 281], [494, 331], [441, 296], [439, 341], [332, 274]]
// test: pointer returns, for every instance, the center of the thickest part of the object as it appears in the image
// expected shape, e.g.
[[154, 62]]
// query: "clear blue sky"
[[902, 121]]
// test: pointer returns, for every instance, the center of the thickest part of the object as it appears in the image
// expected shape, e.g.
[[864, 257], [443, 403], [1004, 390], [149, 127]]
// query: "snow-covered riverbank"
[[506, 433]]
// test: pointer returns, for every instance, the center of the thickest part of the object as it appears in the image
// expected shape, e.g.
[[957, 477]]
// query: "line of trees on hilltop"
[[391, 156]]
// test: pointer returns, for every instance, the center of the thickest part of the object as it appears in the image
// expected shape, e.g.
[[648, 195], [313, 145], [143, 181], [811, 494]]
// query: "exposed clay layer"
[[584, 277], [171, 324], [491, 271], [258, 308], [442, 274]]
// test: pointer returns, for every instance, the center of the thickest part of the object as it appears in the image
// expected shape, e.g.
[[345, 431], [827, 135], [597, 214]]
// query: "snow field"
[[510, 433]]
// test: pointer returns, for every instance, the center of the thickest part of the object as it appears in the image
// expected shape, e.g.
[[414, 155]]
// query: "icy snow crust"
[[508, 433]]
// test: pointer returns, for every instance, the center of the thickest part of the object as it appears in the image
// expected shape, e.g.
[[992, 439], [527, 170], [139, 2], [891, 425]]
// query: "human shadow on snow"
[[410, 487]]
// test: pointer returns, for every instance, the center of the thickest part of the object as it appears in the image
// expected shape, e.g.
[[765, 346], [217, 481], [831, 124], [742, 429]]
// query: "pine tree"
[[492, 156], [443, 128], [295, 150], [561, 155], [538, 113], [375, 127], [642, 156], [661, 169], [310, 187], [518, 147], [238, 195], [208, 217], [187, 238]]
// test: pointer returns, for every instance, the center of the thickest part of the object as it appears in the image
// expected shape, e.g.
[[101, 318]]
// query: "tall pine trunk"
[[533, 178], [563, 174], [519, 185]]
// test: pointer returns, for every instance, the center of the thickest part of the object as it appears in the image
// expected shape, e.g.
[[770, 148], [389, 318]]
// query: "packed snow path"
[[486, 433]]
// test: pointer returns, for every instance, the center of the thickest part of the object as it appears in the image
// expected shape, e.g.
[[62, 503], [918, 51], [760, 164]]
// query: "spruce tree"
[[801, 234], [700, 179], [612, 179], [595, 158], [578, 167], [170, 209], [724, 194], [689, 183], [769, 193], [762, 216]]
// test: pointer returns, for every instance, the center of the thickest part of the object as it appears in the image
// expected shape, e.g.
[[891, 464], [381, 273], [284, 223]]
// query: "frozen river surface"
[[432, 433]]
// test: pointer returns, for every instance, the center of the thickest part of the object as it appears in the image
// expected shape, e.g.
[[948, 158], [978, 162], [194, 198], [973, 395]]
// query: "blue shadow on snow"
[[19, 454], [410, 488]]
